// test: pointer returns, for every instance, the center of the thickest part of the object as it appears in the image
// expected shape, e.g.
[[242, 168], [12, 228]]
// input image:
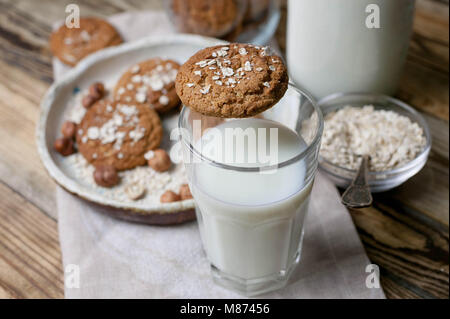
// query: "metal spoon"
[[358, 195]]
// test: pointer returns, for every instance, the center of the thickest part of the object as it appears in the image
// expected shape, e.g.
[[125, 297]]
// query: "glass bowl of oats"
[[395, 136]]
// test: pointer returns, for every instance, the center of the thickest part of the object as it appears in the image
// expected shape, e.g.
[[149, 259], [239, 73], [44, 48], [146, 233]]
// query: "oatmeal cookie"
[[72, 45], [235, 80], [150, 83], [117, 134]]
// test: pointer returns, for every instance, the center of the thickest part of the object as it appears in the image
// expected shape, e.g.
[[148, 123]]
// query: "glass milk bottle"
[[251, 180], [348, 45]]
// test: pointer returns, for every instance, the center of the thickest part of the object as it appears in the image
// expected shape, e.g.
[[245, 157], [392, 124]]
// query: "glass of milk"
[[251, 180], [348, 45]]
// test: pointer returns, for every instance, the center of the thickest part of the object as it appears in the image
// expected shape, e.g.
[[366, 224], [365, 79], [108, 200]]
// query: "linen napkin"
[[111, 258]]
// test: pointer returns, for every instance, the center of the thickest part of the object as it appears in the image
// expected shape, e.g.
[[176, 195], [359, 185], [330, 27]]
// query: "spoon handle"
[[358, 195]]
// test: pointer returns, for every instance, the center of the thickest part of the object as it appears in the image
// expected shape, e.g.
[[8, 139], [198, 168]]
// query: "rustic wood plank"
[[425, 80], [425, 89], [30, 258], [431, 20], [20, 166], [408, 248], [393, 290], [21, 47], [428, 191], [50, 11], [440, 134]]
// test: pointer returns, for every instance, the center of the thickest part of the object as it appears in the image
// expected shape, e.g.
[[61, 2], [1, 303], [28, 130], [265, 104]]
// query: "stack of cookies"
[[120, 129]]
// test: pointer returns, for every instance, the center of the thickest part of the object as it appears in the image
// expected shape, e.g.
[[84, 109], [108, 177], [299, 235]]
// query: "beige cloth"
[[117, 259]]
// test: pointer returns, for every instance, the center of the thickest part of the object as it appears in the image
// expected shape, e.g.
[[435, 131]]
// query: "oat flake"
[[164, 100], [205, 89], [391, 139]]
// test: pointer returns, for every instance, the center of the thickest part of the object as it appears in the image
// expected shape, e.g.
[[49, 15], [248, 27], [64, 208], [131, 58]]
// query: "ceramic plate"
[[107, 66]]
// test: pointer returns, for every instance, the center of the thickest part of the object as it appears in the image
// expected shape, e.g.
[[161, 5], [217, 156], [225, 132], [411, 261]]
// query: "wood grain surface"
[[405, 232]]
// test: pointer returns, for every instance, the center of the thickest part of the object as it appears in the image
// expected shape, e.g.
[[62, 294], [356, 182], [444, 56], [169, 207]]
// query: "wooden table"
[[405, 232]]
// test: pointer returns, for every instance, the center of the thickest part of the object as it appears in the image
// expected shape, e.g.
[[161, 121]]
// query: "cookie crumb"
[[135, 69], [247, 66], [134, 191], [205, 89]]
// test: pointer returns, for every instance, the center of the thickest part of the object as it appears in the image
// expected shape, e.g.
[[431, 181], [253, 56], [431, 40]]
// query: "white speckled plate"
[[107, 66]]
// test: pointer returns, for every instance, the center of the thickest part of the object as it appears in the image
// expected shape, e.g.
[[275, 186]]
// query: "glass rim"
[[315, 141], [406, 107]]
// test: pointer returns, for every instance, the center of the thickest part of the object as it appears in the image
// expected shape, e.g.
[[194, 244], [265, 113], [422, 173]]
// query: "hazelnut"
[[160, 160], [88, 101], [106, 176], [97, 91], [185, 192], [64, 146], [169, 197], [69, 129]]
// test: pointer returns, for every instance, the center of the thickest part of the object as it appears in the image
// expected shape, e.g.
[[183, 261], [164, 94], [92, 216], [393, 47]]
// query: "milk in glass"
[[251, 222]]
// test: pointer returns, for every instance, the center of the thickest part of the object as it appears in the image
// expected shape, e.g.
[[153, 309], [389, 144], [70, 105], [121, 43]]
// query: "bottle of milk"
[[348, 45]]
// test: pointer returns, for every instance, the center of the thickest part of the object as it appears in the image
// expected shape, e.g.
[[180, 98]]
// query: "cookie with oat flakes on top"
[[70, 45], [232, 81], [150, 83], [117, 134]]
